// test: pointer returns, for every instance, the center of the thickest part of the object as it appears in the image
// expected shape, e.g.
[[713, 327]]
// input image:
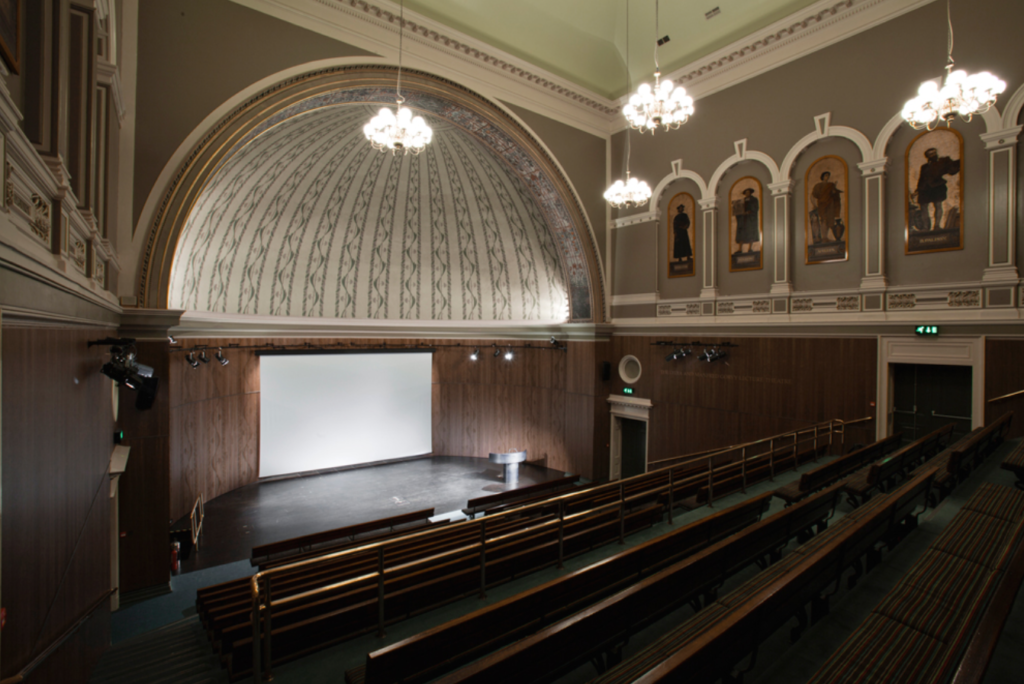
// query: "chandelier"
[[650, 108], [398, 131], [633, 192], [960, 94]]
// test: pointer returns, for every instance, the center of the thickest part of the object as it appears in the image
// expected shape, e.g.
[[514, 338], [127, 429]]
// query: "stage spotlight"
[[170, 338], [202, 357], [508, 354], [705, 355], [125, 370], [220, 357], [554, 342], [672, 356], [475, 355], [191, 358], [497, 352]]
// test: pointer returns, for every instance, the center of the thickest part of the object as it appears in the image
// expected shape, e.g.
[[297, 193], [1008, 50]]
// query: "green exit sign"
[[627, 390], [927, 330]]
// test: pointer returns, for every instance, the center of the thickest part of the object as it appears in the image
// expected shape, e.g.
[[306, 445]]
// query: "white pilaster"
[[873, 173], [709, 207], [1002, 204], [782, 193]]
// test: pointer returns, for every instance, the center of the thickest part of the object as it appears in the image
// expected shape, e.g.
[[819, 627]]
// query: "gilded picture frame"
[[10, 34], [934, 193], [681, 227], [826, 211], [746, 225]]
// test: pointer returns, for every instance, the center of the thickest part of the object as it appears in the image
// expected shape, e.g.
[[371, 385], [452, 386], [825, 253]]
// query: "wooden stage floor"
[[261, 513]]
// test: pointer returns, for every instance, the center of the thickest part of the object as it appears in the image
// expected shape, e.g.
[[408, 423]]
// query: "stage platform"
[[265, 512]]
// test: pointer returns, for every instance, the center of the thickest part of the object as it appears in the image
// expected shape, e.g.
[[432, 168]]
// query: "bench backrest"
[[822, 475], [458, 641], [485, 502]]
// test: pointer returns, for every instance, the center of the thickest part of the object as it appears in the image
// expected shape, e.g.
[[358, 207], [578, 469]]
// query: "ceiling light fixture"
[[220, 357], [202, 357], [497, 352], [508, 354], [632, 192], [398, 131], [961, 94], [191, 358], [650, 108], [475, 355]]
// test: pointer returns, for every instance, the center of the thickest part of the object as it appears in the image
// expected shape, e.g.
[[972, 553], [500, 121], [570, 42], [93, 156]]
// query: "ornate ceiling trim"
[[475, 115]]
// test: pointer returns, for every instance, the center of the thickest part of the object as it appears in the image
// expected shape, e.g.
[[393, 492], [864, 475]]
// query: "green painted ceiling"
[[584, 41]]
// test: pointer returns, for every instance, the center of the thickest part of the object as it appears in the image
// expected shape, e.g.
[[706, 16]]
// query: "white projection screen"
[[326, 410]]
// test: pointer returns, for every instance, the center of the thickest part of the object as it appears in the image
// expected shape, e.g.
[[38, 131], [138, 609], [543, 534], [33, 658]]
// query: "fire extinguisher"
[[175, 547]]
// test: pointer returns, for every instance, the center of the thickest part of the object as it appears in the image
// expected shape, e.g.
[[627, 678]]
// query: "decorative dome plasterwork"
[[281, 210]]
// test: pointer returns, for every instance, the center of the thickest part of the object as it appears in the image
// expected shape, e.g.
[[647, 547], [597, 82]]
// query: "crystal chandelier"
[[650, 108], [633, 192], [398, 131], [960, 94]]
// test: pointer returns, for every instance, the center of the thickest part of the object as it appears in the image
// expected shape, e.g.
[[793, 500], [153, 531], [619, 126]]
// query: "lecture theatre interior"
[[585, 340]]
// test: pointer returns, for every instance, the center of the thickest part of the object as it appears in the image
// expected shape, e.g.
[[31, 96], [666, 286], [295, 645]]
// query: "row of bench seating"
[[925, 626], [520, 496], [1014, 462], [434, 651], [824, 475], [773, 595], [958, 460], [896, 466], [415, 579]]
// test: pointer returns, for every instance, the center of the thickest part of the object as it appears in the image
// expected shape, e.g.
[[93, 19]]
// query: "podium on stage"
[[511, 461]]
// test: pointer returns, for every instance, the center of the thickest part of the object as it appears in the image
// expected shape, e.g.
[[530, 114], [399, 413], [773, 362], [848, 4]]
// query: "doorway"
[[634, 447], [925, 397]]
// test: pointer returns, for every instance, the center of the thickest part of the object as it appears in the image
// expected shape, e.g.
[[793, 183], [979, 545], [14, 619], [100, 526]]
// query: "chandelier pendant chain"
[[661, 106], [398, 131], [959, 95], [633, 192]]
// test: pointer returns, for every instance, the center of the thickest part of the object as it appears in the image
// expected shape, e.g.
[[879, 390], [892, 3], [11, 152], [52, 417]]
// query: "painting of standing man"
[[934, 192], [826, 219], [681, 235], [745, 222]]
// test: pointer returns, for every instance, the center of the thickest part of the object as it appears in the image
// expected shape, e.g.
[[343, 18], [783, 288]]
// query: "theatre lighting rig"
[[713, 351], [124, 369]]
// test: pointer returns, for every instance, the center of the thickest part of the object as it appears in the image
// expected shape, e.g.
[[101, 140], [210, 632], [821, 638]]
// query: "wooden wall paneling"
[[641, 348], [144, 498], [581, 368], [56, 523], [440, 439], [579, 433], [1004, 373]]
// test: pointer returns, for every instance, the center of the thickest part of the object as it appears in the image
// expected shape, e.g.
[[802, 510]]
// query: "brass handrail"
[[264, 607], [59, 641], [196, 521], [1006, 396]]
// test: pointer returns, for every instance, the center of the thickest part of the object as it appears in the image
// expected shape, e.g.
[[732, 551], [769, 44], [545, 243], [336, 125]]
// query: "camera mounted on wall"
[[124, 369]]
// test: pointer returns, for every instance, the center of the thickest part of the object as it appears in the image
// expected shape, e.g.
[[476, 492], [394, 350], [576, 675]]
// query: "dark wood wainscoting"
[[57, 438], [1004, 373], [765, 386]]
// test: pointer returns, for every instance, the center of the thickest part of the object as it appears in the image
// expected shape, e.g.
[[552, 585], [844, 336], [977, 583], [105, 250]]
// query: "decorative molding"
[[633, 299], [851, 303], [801, 305], [964, 299], [761, 306], [902, 301], [635, 219], [41, 218], [726, 307]]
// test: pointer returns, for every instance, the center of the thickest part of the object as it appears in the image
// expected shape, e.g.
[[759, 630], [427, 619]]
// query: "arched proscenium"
[[375, 85]]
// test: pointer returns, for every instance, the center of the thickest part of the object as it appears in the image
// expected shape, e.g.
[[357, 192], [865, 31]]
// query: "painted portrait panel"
[[682, 235], [934, 192], [10, 33], [745, 225], [826, 218]]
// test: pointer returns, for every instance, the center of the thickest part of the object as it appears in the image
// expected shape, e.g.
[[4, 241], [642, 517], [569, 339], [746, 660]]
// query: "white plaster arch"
[[885, 135], [824, 129], [1012, 110], [131, 258], [682, 174], [742, 154]]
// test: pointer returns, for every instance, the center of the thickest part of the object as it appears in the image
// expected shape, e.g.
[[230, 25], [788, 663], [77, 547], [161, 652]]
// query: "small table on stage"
[[511, 461]]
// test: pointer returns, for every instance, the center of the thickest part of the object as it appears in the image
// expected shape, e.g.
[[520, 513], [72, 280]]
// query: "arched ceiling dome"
[[305, 218]]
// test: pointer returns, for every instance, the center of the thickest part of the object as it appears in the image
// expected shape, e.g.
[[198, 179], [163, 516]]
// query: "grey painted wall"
[[863, 81], [196, 54], [582, 155]]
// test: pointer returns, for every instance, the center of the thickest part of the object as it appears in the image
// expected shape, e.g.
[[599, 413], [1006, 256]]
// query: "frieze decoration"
[[664, 309], [848, 303], [964, 299], [902, 301], [41, 218], [77, 252], [725, 307], [802, 305], [99, 272], [693, 309], [761, 306]]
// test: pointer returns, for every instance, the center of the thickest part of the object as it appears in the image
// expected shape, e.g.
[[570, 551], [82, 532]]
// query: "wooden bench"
[[882, 474], [944, 607], [604, 626], [263, 553], [708, 646], [967, 453], [327, 618], [454, 643], [520, 495], [1014, 462], [826, 474]]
